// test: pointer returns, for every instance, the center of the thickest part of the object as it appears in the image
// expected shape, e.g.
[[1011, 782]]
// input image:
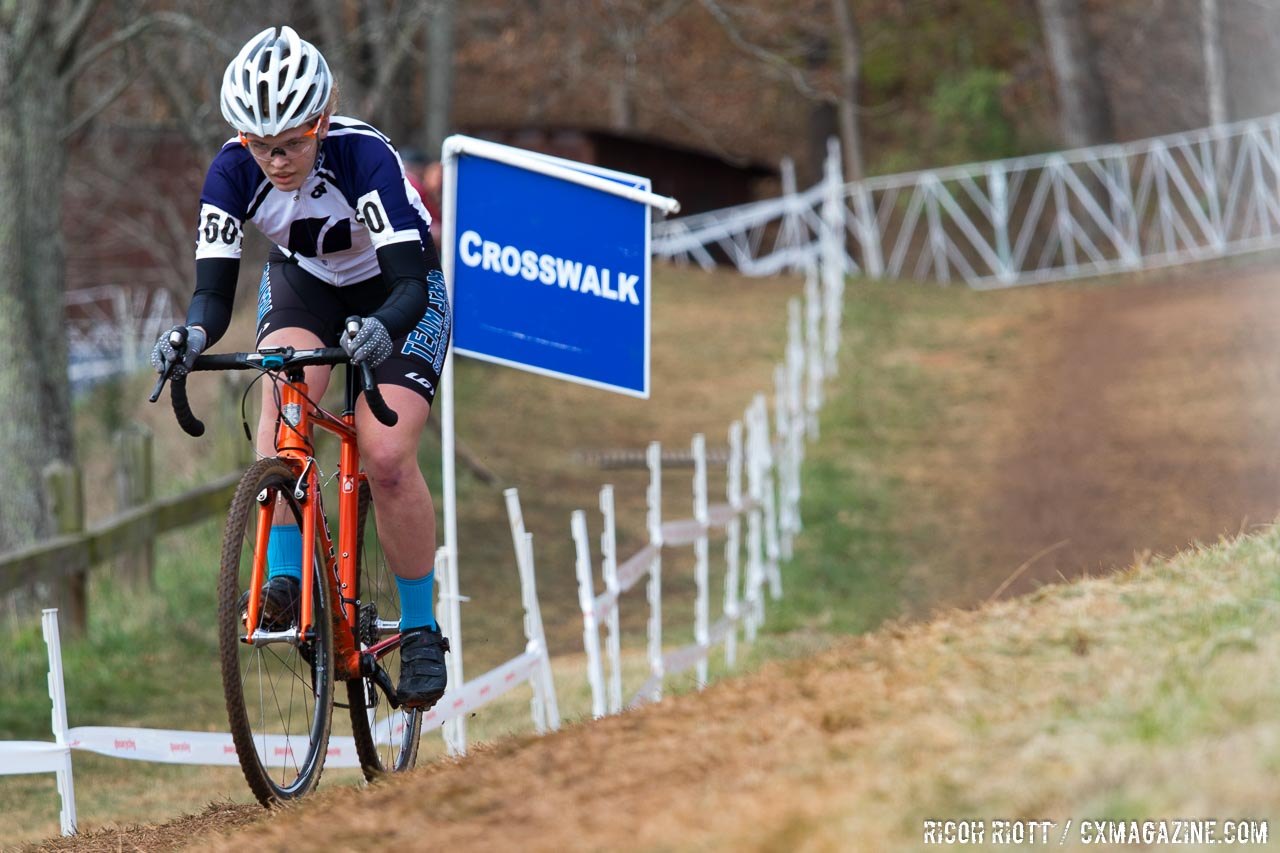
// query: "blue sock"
[[417, 599], [284, 552]]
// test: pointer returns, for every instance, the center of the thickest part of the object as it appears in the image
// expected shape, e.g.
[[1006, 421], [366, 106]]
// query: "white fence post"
[[609, 558], [701, 570], [546, 710], [813, 352], [23, 757], [755, 529], [58, 693], [795, 408], [454, 730], [833, 256], [733, 543], [653, 457], [586, 601], [782, 455], [767, 467]]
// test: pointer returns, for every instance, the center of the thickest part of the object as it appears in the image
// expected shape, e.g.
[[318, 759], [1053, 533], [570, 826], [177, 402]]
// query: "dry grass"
[[1152, 693], [715, 340]]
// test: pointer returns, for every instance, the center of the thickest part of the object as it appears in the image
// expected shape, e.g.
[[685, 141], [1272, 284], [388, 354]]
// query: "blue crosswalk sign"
[[552, 276]]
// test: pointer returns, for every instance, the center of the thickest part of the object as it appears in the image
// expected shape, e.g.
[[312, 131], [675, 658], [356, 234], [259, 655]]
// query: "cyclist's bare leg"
[[406, 516], [317, 381]]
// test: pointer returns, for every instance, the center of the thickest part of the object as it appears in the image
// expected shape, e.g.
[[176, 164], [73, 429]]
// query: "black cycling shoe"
[[422, 672], [279, 603]]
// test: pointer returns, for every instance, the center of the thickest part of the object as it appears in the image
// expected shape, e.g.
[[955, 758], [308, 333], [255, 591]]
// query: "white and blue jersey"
[[355, 201], [354, 239]]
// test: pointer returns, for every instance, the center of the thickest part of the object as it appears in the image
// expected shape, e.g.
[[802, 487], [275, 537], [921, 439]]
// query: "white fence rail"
[[769, 508], [1170, 200], [111, 328], [173, 746]]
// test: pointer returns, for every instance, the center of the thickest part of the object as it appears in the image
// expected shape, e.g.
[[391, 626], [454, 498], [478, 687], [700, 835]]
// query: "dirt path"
[[1141, 417], [1151, 421]]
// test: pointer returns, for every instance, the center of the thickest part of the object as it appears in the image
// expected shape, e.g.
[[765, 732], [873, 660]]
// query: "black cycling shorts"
[[289, 297]]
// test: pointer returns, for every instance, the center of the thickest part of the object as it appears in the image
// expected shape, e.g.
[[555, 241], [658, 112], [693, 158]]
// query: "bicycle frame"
[[295, 424]]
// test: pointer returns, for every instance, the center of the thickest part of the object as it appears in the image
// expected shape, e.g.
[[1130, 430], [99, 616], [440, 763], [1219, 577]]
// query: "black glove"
[[183, 358], [371, 345]]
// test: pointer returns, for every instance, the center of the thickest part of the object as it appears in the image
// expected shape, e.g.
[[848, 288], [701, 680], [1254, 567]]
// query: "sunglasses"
[[291, 150]]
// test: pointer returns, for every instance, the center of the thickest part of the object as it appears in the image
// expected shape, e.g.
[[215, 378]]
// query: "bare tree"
[[39, 43], [792, 61], [439, 68], [850, 73], [1215, 78], [1083, 110], [46, 55]]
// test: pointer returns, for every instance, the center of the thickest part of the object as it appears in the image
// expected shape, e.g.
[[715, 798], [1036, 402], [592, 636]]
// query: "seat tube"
[[349, 515], [309, 510]]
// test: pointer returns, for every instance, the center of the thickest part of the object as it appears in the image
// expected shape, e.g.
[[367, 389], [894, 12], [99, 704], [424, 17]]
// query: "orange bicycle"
[[278, 682]]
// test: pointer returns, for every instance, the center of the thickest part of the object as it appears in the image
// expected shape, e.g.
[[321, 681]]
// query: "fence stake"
[[58, 693], [701, 566], [733, 543], [135, 486], [656, 665], [586, 602], [767, 468], [66, 505], [813, 351], [755, 555], [609, 558], [546, 710]]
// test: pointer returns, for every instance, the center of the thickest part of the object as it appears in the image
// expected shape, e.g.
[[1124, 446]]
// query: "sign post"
[[547, 265]]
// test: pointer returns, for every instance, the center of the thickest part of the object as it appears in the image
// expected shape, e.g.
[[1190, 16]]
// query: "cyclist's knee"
[[388, 465]]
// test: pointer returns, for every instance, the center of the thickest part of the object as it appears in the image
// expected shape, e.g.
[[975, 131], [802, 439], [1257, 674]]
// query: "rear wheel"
[[386, 738], [279, 693]]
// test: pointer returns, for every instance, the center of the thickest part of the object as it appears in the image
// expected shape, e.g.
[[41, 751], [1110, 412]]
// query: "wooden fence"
[[127, 537]]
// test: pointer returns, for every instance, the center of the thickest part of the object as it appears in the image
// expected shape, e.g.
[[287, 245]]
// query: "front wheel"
[[386, 738], [279, 694]]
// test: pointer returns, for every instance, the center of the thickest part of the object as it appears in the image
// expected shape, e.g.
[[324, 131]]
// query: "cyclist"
[[351, 238]]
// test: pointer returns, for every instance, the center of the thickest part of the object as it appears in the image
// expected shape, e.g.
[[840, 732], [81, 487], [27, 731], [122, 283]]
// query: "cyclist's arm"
[[229, 186], [406, 267], [214, 297]]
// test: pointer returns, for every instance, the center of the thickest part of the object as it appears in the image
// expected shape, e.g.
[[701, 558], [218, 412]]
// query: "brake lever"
[[177, 340]]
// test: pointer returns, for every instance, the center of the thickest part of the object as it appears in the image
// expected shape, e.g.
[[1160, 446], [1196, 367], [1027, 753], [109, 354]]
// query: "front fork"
[[349, 660]]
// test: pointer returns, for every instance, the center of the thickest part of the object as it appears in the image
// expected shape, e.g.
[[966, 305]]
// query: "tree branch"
[[73, 26], [95, 109], [24, 25], [176, 20], [190, 119], [776, 64], [390, 66]]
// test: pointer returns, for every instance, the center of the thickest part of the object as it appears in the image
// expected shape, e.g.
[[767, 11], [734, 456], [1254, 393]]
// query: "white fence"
[[111, 329], [1170, 200], [768, 509], [172, 746]]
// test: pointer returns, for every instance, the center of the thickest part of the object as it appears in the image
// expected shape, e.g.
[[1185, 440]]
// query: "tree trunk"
[[1215, 78], [1083, 110], [35, 428], [439, 75], [850, 73]]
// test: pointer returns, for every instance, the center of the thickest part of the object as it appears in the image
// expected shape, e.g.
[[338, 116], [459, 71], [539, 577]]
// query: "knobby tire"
[[376, 583], [285, 674]]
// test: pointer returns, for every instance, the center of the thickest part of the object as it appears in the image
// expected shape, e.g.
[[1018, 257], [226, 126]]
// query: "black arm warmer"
[[214, 296], [404, 268]]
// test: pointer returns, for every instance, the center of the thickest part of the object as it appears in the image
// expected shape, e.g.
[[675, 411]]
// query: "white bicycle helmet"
[[276, 82]]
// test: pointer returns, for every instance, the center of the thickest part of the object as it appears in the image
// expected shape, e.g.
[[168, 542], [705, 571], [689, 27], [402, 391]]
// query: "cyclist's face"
[[286, 159]]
